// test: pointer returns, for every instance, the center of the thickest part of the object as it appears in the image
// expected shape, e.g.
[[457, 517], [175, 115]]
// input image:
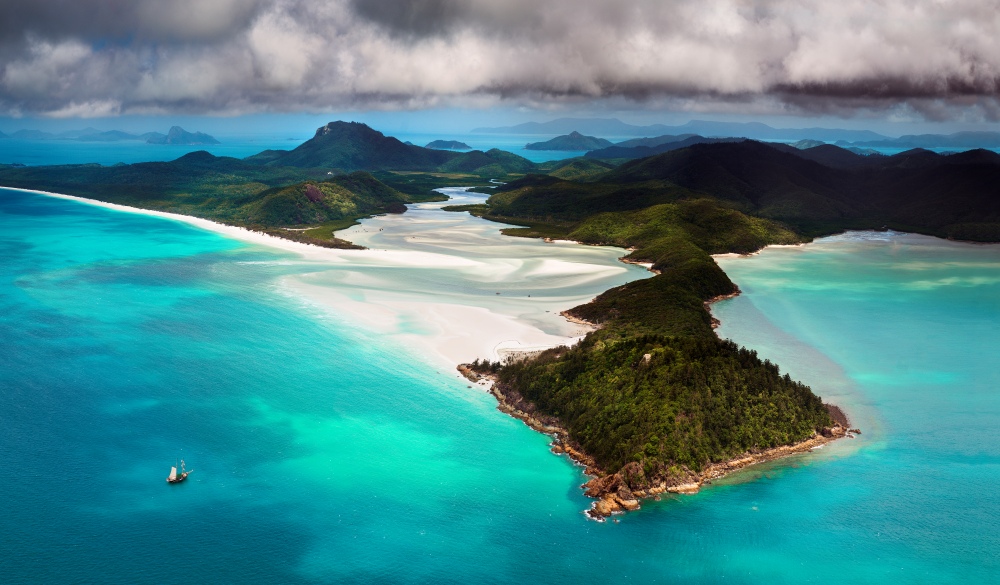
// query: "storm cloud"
[[108, 57]]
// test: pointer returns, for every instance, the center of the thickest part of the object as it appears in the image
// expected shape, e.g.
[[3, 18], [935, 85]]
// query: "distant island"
[[753, 130], [956, 140], [176, 135], [615, 127], [572, 141], [448, 145]]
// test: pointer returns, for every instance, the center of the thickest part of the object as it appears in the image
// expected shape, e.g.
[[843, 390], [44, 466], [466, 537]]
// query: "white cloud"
[[45, 67], [936, 57]]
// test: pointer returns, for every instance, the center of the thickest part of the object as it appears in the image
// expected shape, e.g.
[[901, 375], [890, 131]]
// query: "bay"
[[328, 451]]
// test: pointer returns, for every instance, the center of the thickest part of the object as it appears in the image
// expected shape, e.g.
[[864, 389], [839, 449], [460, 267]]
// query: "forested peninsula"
[[652, 399]]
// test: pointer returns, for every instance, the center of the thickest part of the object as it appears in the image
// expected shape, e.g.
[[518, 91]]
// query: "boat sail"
[[175, 477]]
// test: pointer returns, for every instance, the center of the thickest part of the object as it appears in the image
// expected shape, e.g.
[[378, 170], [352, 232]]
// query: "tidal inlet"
[[366, 292]]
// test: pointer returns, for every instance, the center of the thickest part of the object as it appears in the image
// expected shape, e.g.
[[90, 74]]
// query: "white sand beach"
[[446, 285]]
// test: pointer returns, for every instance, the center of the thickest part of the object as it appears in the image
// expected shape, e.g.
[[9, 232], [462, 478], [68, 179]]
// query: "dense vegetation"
[[351, 146], [697, 399], [824, 189], [693, 400], [305, 194], [572, 141], [227, 190]]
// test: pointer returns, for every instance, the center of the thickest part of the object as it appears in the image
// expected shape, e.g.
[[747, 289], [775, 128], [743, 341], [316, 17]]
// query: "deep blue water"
[[326, 454]]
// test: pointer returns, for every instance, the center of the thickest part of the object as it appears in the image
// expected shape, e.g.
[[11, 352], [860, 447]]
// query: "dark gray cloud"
[[105, 57]]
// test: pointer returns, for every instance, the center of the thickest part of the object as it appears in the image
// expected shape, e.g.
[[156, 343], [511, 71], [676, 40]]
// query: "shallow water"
[[902, 331], [325, 453], [451, 284]]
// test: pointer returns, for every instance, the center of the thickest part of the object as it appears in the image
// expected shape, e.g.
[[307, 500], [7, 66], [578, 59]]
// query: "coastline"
[[452, 330], [463, 327], [235, 232], [613, 493]]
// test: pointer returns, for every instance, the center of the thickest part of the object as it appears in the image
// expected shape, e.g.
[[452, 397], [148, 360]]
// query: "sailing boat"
[[175, 477]]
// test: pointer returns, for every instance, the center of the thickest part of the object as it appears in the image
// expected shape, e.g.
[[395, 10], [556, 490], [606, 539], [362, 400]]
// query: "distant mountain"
[[615, 127], [572, 141], [178, 135], [110, 136], [619, 152], [76, 134], [447, 145], [494, 162], [815, 191], [352, 146], [951, 195], [606, 126], [956, 140], [32, 135], [807, 143], [654, 141], [758, 131]]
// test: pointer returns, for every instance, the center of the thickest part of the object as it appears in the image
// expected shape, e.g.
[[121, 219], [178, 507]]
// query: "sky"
[[880, 64]]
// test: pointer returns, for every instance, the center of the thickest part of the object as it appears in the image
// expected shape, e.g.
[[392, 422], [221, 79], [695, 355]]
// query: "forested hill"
[[352, 146], [572, 141], [815, 191], [226, 190], [355, 146]]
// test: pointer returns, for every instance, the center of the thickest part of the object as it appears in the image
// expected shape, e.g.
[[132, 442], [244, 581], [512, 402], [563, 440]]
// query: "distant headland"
[[176, 135]]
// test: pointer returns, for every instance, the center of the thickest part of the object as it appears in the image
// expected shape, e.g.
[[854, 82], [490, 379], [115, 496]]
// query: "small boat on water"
[[175, 477]]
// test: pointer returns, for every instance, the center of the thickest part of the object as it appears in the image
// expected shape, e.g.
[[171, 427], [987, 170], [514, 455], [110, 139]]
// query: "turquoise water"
[[903, 331], [64, 152], [326, 454]]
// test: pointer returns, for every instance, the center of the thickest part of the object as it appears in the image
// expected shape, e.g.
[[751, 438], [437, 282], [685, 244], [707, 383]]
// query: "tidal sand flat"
[[448, 284], [451, 286], [324, 452]]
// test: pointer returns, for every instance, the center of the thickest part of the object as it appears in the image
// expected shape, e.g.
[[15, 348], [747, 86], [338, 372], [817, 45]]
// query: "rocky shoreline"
[[619, 492], [708, 305]]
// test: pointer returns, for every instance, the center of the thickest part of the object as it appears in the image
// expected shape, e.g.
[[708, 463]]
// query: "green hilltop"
[[572, 141], [352, 146]]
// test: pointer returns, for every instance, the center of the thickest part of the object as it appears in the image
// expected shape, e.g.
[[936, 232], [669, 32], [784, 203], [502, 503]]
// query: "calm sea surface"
[[324, 453]]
